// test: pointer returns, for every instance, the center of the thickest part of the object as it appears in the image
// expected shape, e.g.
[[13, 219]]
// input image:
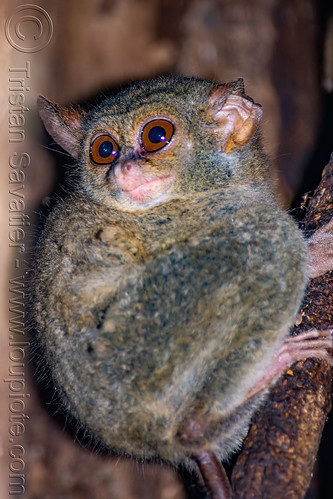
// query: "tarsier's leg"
[[312, 343]]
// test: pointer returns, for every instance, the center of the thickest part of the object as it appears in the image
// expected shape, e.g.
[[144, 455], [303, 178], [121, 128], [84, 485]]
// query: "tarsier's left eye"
[[103, 150], [156, 134]]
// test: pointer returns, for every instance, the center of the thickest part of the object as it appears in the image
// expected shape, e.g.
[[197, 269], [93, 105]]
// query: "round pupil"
[[105, 149], [156, 134]]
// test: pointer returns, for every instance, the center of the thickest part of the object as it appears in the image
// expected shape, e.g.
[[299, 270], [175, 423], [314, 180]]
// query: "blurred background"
[[68, 51]]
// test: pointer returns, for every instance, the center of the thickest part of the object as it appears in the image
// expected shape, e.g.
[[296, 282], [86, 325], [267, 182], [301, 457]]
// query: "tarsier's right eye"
[[103, 150]]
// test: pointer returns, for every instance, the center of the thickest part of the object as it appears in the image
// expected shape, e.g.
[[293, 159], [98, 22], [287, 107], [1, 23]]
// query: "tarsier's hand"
[[320, 247]]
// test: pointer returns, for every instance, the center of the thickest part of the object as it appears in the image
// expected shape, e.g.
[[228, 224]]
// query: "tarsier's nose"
[[128, 155]]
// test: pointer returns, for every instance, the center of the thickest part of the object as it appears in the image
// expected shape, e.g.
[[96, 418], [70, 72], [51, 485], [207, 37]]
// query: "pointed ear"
[[63, 123], [236, 116]]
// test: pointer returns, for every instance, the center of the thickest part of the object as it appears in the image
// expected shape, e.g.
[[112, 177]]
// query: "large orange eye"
[[156, 134], [103, 150]]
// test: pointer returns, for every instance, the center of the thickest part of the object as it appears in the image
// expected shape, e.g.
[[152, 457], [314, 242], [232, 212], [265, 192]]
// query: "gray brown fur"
[[157, 322]]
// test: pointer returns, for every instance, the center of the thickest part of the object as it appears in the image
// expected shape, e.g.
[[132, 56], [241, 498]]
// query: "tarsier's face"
[[137, 158], [147, 145]]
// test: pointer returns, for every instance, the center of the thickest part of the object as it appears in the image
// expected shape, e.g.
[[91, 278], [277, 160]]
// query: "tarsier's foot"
[[312, 343]]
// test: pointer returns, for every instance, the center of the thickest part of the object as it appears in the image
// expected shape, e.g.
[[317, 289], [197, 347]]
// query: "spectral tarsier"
[[167, 281]]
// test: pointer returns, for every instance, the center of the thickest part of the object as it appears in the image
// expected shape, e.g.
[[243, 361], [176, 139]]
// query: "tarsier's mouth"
[[148, 190], [138, 184]]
